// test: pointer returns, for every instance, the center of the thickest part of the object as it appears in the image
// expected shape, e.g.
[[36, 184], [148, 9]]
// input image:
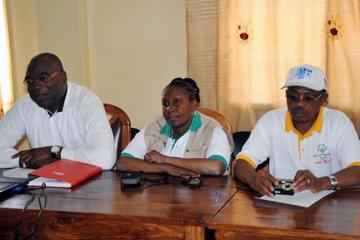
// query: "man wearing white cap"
[[316, 147]]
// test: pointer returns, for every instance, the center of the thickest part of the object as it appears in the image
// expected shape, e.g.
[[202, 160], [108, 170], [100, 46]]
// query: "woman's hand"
[[155, 157], [180, 172]]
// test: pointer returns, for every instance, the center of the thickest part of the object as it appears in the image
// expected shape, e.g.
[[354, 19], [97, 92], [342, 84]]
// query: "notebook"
[[64, 173]]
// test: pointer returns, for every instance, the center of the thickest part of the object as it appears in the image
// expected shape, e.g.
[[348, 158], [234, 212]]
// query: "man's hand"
[[263, 183], [154, 157], [35, 157], [179, 172], [304, 179]]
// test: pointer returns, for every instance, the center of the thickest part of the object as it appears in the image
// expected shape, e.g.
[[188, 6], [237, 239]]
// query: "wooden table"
[[99, 209], [336, 216]]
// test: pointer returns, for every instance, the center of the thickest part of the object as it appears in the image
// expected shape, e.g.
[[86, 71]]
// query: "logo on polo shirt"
[[323, 156], [322, 148], [303, 73]]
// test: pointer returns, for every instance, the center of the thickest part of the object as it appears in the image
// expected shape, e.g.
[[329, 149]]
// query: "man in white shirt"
[[60, 120], [316, 147]]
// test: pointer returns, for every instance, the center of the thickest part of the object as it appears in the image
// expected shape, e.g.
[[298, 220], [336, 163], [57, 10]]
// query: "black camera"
[[131, 179], [193, 182], [285, 187]]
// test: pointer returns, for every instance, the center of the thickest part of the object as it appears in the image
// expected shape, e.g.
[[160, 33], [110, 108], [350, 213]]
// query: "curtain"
[[240, 51]]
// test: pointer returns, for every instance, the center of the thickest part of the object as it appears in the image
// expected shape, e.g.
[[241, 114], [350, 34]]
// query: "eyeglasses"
[[307, 99], [42, 77]]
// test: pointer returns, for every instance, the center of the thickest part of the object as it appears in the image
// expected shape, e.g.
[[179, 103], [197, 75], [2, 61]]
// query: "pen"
[[217, 196]]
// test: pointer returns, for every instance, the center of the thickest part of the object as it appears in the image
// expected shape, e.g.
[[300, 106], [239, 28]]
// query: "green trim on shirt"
[[125, 154], [220, 158], [194, 126], [196, 122], [166, 130]]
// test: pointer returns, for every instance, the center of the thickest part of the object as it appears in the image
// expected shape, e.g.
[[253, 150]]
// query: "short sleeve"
[[257, 148], [137, 146], [219, 146]]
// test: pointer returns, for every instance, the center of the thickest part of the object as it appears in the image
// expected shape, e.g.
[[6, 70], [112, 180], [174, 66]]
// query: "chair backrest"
[[134, 131], [240, 139], [217, 116], [120, 125]]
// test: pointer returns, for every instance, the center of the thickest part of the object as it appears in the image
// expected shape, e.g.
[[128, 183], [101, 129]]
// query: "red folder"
[[64, 173]]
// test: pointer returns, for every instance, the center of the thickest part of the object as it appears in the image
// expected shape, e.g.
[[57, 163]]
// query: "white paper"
[[17, 172], [303, 199], [23, 173], [49, 182]]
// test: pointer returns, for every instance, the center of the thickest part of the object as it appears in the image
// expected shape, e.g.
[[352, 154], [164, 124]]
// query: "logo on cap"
[[303, 73]]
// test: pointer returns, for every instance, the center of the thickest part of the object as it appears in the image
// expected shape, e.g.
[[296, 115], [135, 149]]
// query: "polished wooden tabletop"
[[221, 208], [336, 216], [99, 208]]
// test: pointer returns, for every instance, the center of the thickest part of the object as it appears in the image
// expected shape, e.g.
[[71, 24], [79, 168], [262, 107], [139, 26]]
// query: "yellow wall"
[[124, 50], [23, 38]]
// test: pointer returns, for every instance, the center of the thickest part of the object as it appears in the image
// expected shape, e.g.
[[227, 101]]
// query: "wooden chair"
[[221, 119], [217, 116], [119, 120]]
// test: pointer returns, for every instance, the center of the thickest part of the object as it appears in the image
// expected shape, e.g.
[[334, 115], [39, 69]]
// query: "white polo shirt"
[[329, 146], [219, 148]]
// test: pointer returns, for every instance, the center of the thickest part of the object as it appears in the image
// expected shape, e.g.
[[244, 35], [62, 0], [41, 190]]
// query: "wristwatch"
[[55, 151], [333, 181]]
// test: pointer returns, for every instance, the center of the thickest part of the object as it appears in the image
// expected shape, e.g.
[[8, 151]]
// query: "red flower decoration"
[[334, 28], [334, 31], [243, 32], [244, 36]]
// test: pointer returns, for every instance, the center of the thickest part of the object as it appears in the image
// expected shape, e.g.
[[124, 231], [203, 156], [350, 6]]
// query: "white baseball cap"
[[306, 76]]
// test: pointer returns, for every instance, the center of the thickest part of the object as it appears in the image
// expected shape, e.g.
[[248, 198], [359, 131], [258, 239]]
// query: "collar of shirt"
[[60, 108], [317, 126], [194, 126]]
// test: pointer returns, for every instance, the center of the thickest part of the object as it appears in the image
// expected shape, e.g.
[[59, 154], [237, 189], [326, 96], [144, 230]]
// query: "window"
[[6, 93]]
